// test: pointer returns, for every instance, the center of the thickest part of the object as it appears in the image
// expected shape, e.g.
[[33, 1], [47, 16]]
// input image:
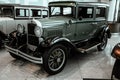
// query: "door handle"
[[94, 23]]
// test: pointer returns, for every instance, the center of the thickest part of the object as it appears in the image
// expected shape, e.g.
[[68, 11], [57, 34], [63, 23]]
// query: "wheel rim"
[[56, 59], [104, 41]]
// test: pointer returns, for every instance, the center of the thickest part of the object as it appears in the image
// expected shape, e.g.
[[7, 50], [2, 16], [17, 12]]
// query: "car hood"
[[54, 21], [5, 18]]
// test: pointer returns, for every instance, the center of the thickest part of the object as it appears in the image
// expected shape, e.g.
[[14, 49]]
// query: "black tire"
[[103, 44], [116, 70], [15, 56], [54, 59]]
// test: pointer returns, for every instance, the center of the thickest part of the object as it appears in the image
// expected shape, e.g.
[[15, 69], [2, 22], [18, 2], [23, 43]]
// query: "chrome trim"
[[59, 39], [24, 55]]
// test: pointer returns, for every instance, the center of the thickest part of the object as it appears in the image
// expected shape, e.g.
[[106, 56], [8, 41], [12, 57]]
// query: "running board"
[[82, 50]]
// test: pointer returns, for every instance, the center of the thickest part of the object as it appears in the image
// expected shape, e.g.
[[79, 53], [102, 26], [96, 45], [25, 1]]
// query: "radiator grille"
[[32, 39]]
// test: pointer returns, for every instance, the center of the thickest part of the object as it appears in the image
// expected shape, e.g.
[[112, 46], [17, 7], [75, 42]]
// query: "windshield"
[[62, 11], [6, 11]]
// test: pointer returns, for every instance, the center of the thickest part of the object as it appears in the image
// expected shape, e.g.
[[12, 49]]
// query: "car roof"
[[19, 5], [80, 3]]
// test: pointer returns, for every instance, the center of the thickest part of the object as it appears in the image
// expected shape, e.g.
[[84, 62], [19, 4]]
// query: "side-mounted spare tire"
[[54, 59]]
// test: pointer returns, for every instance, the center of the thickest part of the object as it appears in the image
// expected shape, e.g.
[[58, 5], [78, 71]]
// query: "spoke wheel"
[[103, 43], [55, 59]]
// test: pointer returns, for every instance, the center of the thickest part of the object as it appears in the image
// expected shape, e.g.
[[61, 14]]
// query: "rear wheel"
[[103, 44], [55, 59]]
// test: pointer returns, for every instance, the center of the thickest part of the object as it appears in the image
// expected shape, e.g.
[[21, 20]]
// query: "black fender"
[[105, 29], [101, 31], [43, 46], [66, 42]]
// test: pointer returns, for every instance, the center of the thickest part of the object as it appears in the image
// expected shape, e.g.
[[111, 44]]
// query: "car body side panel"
[[85, 29]]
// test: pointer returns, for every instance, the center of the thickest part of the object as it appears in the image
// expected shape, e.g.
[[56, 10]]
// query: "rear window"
[[100, 12], [35, 13]]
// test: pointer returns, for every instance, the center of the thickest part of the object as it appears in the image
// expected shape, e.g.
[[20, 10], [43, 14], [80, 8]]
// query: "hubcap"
[[56, 59]]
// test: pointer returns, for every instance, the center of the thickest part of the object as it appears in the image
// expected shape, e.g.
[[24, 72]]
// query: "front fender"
[[64, 41]]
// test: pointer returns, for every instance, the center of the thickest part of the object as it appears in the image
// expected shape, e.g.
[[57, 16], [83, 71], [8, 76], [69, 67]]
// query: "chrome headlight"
[[20, 28], [38, 31]]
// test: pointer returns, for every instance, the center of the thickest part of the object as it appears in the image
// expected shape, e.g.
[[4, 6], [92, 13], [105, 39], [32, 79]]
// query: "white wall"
[[113, 10]]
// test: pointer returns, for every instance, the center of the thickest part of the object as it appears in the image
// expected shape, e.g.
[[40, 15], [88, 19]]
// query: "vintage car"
[[116, 68], [12, 15], [72, 26]]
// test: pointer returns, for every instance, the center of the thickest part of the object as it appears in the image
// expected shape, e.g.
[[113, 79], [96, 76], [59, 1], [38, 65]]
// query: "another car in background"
[[13, 15], [71, 26]]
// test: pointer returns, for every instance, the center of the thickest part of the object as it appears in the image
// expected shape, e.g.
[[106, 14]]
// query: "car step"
[[84, 50]]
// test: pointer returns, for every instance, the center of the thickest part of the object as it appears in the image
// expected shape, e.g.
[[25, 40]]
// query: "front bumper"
[[24, 55]]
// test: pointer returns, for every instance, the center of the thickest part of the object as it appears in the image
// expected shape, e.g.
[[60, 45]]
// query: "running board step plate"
[[83, 50]]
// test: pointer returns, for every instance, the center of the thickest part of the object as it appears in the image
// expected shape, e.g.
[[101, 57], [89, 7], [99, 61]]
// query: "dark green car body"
[[70, 26]]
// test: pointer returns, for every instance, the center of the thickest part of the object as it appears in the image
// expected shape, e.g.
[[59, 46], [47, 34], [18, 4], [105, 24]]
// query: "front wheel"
[[103, 44], [55, 59]]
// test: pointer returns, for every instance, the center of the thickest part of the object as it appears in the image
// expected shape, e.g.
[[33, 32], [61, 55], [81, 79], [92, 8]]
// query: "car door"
[[85, 23], [70, 30]]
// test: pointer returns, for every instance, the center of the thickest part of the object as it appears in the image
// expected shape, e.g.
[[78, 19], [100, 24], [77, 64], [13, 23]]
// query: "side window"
[[35, 13], [100, 12], [55, 10], [67, 11], [44, 13], [22, 12], [85, 12]]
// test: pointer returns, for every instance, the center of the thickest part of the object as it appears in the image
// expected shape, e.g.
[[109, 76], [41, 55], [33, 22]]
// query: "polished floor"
[[94, 65]]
